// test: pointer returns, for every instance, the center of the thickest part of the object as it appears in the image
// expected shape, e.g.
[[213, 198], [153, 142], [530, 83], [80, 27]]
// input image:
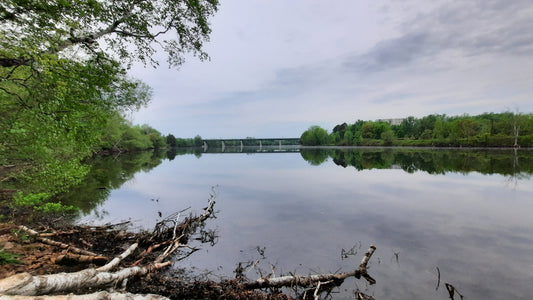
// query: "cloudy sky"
[[280, 66]]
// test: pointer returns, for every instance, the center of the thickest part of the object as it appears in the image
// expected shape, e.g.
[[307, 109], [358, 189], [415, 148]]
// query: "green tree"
[[442, 129], [314, 136], [198, 142], [348, 138], [379, 128], [426, 135], [367, 130], [388, 137], [467, 128], [171, 140], [335, 138], [63, 78], [408, 127]]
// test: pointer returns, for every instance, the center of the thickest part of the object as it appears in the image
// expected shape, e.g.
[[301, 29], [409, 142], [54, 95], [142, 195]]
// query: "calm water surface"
[[467, 213]]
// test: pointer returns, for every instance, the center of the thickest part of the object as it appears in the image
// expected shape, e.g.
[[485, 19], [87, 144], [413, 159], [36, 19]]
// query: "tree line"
[[506, 129]]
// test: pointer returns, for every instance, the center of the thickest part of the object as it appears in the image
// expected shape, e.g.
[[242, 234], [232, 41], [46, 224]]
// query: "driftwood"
[[93, 296], [311, 280]]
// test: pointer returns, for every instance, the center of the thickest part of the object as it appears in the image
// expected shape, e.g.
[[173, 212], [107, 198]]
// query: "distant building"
[[397, 121]]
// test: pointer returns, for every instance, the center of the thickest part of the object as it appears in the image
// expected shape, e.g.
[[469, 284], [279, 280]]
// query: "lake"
[[463, 215]]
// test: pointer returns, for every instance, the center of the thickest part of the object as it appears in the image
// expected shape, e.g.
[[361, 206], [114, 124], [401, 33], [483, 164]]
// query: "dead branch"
[[306, 281], [163, 229], [44, 240]]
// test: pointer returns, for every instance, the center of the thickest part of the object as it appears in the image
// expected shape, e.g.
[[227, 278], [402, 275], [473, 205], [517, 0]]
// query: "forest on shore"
[[506, 129]]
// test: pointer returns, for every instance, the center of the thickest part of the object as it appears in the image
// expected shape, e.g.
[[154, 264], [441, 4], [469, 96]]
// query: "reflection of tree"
[[108, 173], [438, 161], [516, 175], [314, 156]]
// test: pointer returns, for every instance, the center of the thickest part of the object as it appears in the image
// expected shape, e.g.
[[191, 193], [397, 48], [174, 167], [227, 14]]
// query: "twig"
[[452, 290], [318, 288]]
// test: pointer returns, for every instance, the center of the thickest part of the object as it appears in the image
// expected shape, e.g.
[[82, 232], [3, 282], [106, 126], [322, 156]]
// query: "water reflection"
[[451, 209], [508, 162], [108, 173]]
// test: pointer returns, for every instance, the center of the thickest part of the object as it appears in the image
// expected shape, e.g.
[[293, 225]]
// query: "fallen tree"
[[306, 281], [135, 273], [25, 284]]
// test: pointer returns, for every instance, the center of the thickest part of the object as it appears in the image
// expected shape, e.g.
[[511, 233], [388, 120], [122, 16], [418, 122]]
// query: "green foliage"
[[50, 207], [198, 141], [38, 202], [315, 136], [387, 137], [7, 258], [30, 199], [21, 234], [123, 29], [171, 140]]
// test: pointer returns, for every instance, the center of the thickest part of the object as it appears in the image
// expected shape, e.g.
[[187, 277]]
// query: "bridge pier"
[[205, 146], [223, 146]]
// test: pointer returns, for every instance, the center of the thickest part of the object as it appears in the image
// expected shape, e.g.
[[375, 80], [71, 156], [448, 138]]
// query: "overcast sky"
[[280, 66]]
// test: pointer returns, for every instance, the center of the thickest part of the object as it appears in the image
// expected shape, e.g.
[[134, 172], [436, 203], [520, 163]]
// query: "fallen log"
[[306, 281], [28, 285], [25, 284], [93, 296]]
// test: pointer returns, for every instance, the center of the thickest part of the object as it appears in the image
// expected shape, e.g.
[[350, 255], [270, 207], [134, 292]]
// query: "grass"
[[7, 258]]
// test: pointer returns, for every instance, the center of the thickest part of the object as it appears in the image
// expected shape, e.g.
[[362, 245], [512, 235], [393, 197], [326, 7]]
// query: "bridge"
[[250, 142]]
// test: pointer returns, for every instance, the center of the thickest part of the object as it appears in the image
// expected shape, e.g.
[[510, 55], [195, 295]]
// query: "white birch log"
[[305, 281], [93, 296], [29, 285]]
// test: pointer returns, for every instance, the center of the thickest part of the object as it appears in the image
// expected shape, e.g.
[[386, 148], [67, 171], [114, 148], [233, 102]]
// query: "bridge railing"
[[241, 143]]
